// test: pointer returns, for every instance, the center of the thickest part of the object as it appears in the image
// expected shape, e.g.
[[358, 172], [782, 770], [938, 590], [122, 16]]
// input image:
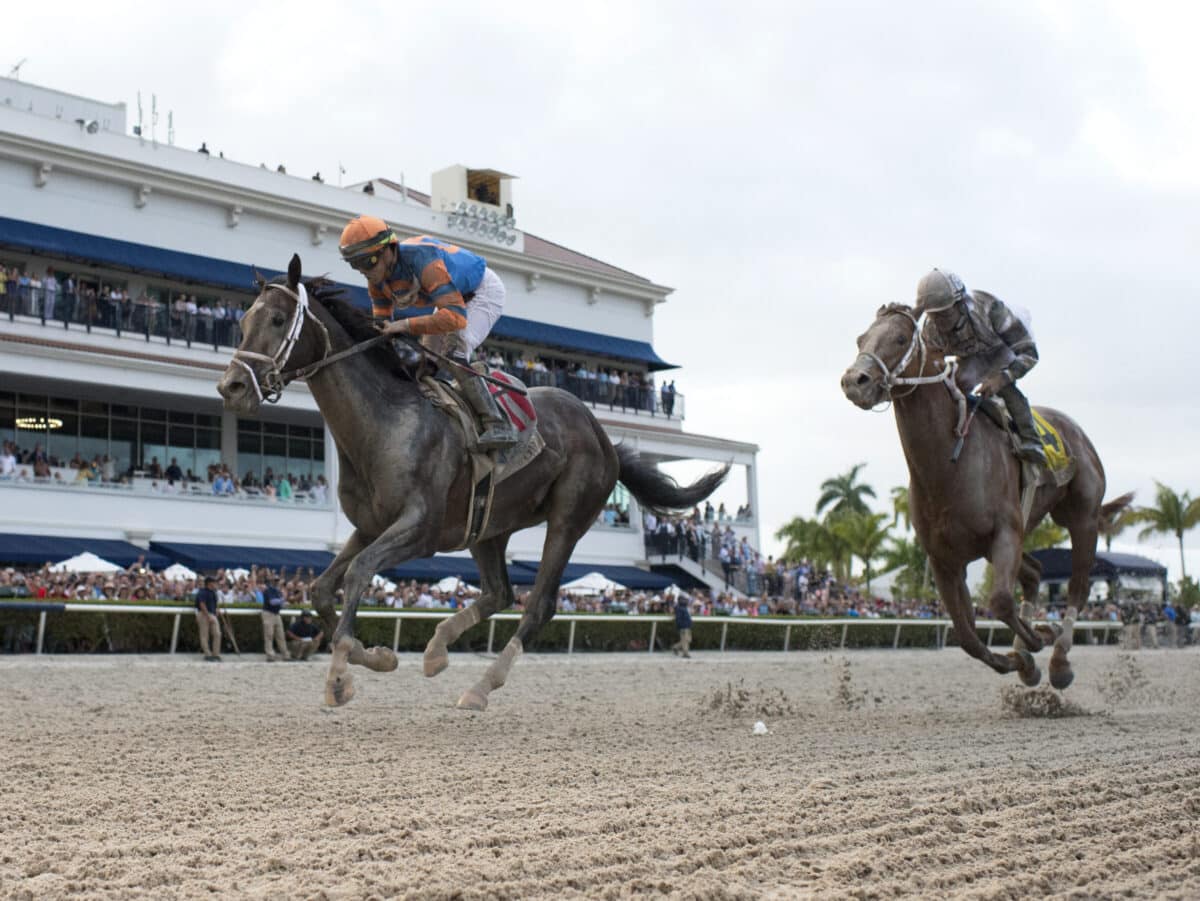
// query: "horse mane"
[[894, 308], [357, 323]]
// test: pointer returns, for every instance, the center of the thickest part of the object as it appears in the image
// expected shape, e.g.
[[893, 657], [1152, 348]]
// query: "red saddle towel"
[[516, 407]]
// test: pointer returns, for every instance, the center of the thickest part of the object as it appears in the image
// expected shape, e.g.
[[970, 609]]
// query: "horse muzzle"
[[862, 387], [239, 394]]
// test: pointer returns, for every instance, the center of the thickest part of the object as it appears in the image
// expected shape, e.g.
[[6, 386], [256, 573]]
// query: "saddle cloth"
[[1059, 468], [488, 469]]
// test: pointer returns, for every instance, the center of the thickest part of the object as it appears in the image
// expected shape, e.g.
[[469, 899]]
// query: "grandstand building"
[[134, 257]]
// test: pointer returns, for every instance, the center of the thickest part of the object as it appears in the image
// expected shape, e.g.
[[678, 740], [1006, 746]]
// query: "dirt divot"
[[1042, 702]]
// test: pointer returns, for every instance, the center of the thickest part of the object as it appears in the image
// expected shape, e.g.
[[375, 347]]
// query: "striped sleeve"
[[450, 313], [1014, 333]]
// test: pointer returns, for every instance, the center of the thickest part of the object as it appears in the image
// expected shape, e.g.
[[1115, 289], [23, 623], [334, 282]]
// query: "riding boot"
[[1030, 448], [498, 432]]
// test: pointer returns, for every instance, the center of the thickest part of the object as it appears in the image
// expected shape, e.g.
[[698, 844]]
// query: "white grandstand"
[[133, 378]]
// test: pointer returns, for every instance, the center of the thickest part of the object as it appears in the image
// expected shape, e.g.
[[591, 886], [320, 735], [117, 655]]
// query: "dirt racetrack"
[[883, 773]]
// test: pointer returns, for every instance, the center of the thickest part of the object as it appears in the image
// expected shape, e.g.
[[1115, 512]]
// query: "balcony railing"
[[63, 479], [151, 319]]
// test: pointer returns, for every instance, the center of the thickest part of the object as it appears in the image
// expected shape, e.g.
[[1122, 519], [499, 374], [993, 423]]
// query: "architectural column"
[[752, 498], [229, 441]]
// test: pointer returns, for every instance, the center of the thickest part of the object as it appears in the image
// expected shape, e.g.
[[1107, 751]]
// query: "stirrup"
[[1032, 452], [497, 436]]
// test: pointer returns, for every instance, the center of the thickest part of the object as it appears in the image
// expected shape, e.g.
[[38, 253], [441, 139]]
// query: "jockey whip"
[[973, 402]]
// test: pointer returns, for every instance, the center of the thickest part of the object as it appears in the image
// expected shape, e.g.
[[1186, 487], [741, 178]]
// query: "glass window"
[[154, 445], [63, 405], [182, 418], [181, 447], [274, 428], [122, 445], [93, 408], [125, 411], [31, 404], [208, 422], [93, 438], [63, 443], [8, 424], [8, 400], [152, 414], [274, 455], [208, 450]]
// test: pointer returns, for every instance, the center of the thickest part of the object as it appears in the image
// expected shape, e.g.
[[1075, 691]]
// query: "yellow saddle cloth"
[[1057, 456]]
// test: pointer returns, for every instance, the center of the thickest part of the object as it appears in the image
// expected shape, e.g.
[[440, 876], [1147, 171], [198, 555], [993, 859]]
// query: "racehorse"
[[971, 508], [405, 480]]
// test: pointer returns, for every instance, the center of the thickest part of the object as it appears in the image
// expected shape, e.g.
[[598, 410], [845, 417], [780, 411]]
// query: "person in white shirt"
[[8, 462], [50, 290]]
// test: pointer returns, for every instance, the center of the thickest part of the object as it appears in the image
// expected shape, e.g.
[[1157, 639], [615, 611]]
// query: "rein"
[[892, 377], [276, 378]]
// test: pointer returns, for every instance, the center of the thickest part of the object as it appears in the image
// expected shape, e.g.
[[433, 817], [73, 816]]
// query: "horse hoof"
[[472, 700], [436, 663], [1032, 675], [339, 691], [382, 660], [1061, 676]]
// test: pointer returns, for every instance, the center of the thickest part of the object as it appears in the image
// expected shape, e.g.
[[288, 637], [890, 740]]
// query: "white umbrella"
[[381, 582], [592, 583], [87, 562], [178, 571], [451, 584], [234, 574]]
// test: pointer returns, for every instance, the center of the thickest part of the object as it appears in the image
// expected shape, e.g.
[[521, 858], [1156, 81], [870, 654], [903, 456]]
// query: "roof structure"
[[534, 246], [1056, 565]]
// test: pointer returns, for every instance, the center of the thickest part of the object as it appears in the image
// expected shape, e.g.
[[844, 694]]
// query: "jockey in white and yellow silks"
[[467, 298]]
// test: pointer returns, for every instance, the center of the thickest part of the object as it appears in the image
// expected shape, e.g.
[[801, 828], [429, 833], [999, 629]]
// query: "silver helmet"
[[939, 290]]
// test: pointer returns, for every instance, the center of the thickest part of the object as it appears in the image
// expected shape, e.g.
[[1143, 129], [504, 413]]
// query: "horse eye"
[[901, 340], [277, 320]]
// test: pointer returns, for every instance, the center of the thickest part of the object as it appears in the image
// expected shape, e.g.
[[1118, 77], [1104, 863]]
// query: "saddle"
[[1060, 464], [487, 469]]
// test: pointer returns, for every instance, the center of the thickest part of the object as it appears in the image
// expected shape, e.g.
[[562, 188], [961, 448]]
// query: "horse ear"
[[259, 280], [294, 271]]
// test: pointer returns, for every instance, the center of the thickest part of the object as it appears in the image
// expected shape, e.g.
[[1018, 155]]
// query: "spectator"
[[274, 641], [207, 622], [304, 637], [683, 623]]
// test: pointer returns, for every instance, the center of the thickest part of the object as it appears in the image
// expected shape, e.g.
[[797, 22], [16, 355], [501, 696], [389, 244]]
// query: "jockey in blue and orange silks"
[[467, 299]]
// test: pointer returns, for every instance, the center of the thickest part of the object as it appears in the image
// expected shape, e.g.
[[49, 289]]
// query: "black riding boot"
[[1030, 449], [498, 433]]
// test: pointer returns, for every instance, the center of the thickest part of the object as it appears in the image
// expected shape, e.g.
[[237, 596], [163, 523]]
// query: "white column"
[[752, 498], [229, 441]]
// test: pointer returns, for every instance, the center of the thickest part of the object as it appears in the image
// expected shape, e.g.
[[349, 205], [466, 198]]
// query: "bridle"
[[276, 379], [946, 375]]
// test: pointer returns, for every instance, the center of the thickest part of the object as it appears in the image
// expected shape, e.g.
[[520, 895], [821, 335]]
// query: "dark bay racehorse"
[[404, 482], [970, 509]]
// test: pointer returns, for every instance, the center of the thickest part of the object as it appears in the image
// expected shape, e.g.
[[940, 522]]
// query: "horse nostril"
[[862, 379]]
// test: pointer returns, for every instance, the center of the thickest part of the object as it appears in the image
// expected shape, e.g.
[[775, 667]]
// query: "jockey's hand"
[[993, 384], [395, 328]]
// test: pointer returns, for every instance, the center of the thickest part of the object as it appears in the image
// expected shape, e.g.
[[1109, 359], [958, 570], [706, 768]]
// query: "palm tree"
[[1046, 533], [908, 560], [1111, 528], [813, 540], [863, 535], [1172, 513], [900, 508], [845, 492]]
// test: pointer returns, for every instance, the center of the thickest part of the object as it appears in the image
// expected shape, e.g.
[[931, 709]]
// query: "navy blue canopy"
[[1056, 565], [206, 557], [37, 549], [629, 576], [65, 244]]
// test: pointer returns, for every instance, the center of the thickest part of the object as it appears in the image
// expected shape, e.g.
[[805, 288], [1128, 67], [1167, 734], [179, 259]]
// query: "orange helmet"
[[363, 236]]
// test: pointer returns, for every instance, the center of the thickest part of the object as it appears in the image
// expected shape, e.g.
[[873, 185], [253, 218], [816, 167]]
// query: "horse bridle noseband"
[[892, 377], [276, 379]]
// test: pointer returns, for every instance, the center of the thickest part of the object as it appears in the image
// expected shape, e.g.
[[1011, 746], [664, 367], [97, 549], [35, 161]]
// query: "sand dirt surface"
[[883, 773]]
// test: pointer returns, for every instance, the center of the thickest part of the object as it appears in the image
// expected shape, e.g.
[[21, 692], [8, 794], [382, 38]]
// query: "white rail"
[[942, 626]]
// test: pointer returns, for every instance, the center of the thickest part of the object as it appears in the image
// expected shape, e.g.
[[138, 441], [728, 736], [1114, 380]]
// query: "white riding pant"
[[482, 312]]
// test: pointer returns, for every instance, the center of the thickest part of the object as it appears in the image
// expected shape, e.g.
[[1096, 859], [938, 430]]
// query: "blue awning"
[[629, 576], [38, 549], [1056, 565], [434, 569], [207, 557], [61, 243]]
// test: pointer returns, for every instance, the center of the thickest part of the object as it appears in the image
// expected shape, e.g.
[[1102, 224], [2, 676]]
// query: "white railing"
[[942, 626]]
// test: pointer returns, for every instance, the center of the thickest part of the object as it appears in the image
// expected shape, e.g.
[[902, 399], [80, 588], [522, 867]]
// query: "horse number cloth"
[[1057, 455]]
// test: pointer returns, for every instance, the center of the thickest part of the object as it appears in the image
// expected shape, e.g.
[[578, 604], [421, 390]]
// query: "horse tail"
[[1110, 511], [657, 491]]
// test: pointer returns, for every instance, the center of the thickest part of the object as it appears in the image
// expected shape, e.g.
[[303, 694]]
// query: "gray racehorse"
[[404, 482]]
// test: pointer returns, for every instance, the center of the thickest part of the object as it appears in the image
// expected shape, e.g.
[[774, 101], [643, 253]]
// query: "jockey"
[[992, 343], [467, 299]]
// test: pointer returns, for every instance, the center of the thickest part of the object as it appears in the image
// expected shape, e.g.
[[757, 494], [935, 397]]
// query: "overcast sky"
[[787, 168]]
